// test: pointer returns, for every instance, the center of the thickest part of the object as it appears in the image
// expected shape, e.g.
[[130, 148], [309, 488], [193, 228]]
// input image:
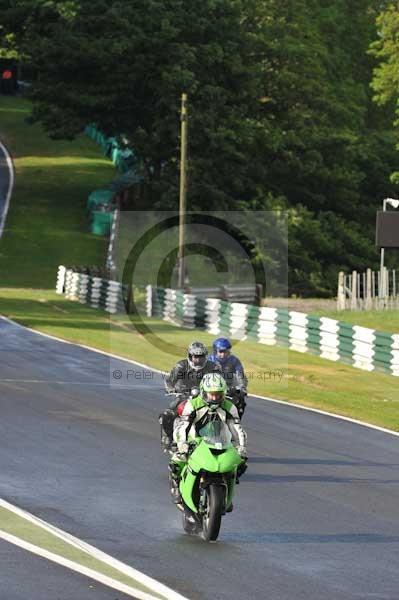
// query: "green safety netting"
[[100, 198], [101, 222], [123, 158], [100, 202]]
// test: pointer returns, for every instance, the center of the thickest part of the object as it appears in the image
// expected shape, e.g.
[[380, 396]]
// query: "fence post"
[[341, 291], [368, 302], [354, 292], [363, 295], [110, 263], [386, 286], [383, 289], [149, 300]]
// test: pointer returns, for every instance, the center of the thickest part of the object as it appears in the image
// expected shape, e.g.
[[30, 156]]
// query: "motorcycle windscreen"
[[216, 434]]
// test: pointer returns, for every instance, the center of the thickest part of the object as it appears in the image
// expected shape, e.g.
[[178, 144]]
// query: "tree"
[[281, 111], [326, 148], [124, 66], [385, 49]]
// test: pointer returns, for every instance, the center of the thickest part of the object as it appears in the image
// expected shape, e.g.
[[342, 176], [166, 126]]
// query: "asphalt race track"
[[316, 516], [6, 184]]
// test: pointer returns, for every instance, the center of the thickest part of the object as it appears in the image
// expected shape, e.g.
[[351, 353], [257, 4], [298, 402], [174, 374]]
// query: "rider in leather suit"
[[185, 376], [210, 403], [232, 371]]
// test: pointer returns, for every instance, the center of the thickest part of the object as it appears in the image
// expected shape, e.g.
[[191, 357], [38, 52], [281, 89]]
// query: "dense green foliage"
[[385, 49], [281, 111]]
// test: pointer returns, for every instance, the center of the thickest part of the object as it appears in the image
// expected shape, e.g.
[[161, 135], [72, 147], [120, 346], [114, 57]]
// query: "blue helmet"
[[221, 344]]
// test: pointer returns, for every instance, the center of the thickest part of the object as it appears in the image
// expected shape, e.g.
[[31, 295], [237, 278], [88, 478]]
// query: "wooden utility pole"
[[183, 187]]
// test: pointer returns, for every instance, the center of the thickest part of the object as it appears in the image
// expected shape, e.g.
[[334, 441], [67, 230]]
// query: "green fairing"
[[202, 459]]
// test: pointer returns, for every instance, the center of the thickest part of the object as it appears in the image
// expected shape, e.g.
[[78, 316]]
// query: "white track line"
[[328, 414], [84, 383], [58, 339], [10, 188], [145, 580], [285, 403]]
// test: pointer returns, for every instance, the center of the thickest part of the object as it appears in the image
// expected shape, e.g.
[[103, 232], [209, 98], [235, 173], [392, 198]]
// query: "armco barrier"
[[360, 347], [248, 293]]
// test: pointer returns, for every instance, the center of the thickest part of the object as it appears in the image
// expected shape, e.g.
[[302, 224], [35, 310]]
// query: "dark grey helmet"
[[197, 354]]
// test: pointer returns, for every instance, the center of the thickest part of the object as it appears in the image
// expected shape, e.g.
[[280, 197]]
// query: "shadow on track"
[[261, 478], [313, 461], [256, 537]]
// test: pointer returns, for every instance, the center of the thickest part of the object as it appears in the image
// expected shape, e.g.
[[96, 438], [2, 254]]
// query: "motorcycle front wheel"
[[214, 510]]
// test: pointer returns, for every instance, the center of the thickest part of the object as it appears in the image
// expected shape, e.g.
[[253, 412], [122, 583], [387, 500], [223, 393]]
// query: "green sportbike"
[[208, 480]]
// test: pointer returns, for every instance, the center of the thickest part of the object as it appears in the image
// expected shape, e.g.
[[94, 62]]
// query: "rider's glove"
[[241, 390], [242, 451], [182, 447], [179, 457]]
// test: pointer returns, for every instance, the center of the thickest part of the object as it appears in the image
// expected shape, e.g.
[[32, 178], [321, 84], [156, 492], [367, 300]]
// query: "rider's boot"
[[241, 470], [174, 480], [166, 420], [166, 442]]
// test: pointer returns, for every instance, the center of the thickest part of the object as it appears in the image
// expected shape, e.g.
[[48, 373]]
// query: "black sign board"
[[387, 229]]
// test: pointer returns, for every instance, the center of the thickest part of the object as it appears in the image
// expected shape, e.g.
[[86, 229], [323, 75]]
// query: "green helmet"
[[213, 388]]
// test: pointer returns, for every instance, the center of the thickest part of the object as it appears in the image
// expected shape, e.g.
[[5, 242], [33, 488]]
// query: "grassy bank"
[[47, 223], [387, 320], [282, 374]]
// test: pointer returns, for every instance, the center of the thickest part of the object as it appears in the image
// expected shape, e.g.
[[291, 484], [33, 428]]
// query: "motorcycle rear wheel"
[[213, 516]]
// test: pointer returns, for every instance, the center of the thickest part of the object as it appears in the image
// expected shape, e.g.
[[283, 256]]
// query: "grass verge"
[[386, 320], [276, 372], [47, 224]]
